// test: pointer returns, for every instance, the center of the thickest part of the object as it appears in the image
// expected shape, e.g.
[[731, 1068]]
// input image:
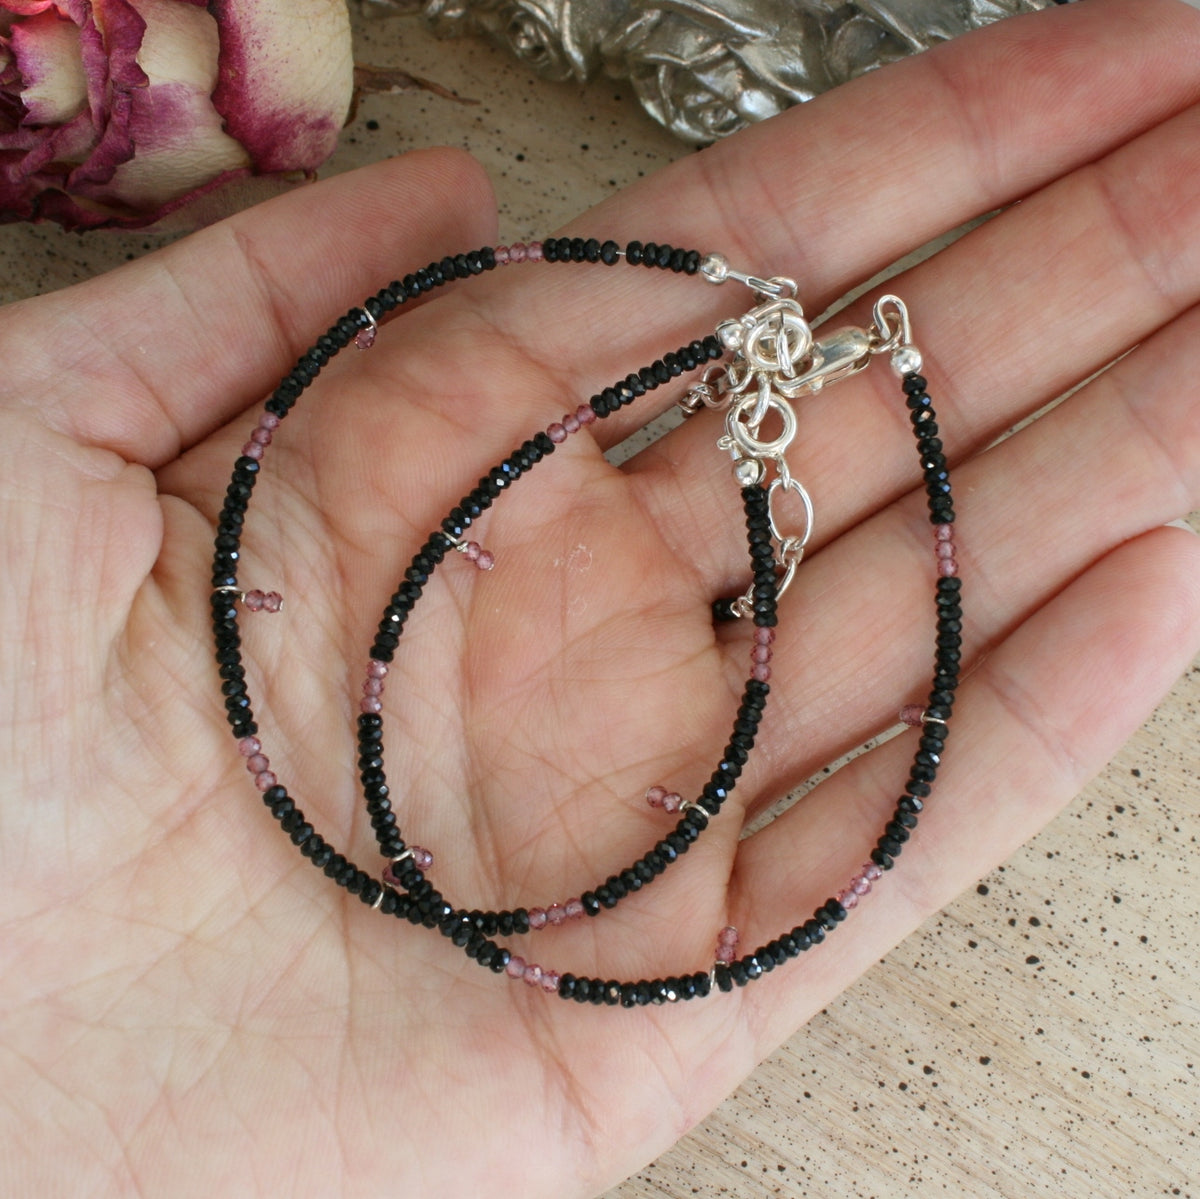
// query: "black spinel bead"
[[723, 978], [662, 259], [591, 904], [605, 897], [633, 252], [591, 250], [609, 253]]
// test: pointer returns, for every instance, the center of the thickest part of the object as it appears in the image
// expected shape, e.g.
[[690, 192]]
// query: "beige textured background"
[[1038, 1037]]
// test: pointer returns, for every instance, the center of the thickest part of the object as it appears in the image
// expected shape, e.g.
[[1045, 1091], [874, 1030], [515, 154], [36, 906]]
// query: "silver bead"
[[732, 335], [907, 360], [714, 267], [749, 472]]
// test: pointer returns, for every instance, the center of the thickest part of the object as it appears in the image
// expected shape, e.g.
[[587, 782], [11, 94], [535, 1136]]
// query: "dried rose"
[[117, 112]]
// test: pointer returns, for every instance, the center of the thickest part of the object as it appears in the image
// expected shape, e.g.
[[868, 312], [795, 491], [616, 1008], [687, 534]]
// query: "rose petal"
[[47, 54], [178, 142], [286, 74]]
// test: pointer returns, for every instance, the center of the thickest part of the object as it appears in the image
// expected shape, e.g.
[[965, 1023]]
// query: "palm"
[[174, 965]]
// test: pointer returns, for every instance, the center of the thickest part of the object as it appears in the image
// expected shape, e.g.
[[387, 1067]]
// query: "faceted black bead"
[[633, 878], [633, 252], [609, 253], [591, 903], [650, 254], [677, 260], [662, 258], [882, 860], [739, 973], [723, 978], [591, 250], [910, 804], [691, 262], [606, 897]]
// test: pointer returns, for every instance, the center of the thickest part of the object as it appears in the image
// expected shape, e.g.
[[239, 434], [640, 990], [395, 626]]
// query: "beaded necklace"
[[774, 359]]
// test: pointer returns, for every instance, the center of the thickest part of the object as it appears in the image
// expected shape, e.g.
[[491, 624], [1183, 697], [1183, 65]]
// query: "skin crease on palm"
[[186, 1006]]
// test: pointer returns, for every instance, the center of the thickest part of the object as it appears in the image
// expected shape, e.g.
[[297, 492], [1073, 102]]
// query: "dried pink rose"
[[117, 112]]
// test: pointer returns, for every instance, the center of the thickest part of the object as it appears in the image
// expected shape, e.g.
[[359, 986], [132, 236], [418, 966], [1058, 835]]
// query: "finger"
[[1038, 719], [167, 348], [835, 190], [1059, 285]]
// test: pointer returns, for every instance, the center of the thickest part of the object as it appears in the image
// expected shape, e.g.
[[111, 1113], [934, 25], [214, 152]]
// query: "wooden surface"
[[1039, 1036]]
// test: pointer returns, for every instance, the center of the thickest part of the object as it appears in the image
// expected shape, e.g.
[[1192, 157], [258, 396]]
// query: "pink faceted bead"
[[486, 560], [586, 414], [517, 251], [515, 968], [364, 339], [728, 936], [472, 552], [943, 532], [725, 954], [570, 422], [761, 653], [556, 914], [272, 601], [422, 858], [947, 568], [550, 980], [254, 600], [763, 636], [861, 886], [762, 672], [376, 669], [533, 974], [672, 801], [872, 872], [537, 918], [556, 433], [372, 686], [257, 763], [265, 781], [945, 549], [252, 450], [573, 909], [369, 704], [912, 715], [655, 796], [501, 253], [268, 420], [848, 898], [261, 435], [535, 251], [249, 746]]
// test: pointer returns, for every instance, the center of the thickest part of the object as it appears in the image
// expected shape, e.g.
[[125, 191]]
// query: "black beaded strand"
[[408, 894]]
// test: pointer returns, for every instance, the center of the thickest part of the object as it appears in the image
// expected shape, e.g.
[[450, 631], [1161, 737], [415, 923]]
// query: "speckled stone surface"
[[1039, 1037]]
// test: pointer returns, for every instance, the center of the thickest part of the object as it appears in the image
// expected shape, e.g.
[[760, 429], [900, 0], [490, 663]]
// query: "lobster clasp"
[[837, 355]]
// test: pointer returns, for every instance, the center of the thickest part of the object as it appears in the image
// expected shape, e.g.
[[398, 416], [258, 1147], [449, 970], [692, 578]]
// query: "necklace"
[[774, 359]]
